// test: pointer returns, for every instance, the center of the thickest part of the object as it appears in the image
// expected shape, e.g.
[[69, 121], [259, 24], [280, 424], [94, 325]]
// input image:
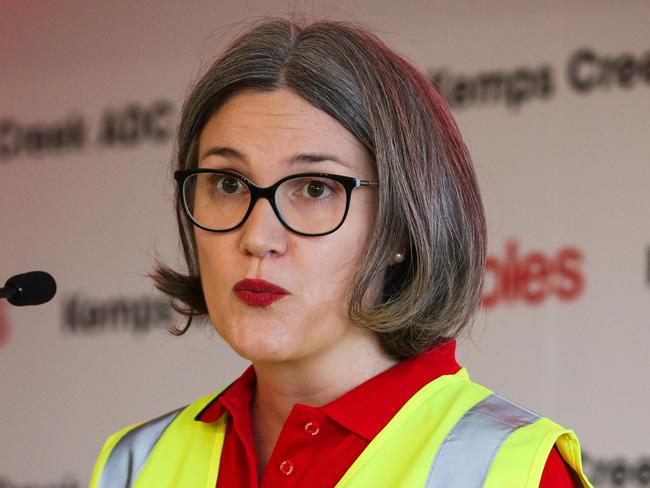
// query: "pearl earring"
[[399, 257]]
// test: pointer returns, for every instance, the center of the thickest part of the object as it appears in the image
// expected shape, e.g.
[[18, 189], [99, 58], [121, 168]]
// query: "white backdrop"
[[553, 99]]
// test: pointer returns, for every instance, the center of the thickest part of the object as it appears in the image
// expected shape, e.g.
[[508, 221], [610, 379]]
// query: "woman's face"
[[268, 130]]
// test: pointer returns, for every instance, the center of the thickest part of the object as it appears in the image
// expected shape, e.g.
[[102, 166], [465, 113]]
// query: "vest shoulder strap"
[[522, 457], [455, 432], [128, 454], [402, 453], [465, 456], [137, 456]]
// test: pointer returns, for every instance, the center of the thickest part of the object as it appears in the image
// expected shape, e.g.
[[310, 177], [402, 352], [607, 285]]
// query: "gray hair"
[[429, 202]]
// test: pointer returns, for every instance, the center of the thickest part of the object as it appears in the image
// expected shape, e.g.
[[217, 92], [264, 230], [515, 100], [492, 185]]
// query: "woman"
[[335, 236]]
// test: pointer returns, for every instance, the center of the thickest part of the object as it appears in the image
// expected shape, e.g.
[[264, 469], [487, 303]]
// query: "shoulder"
[[521, 442], [128, 448], [508, 441], [479, 407], [154, 427]]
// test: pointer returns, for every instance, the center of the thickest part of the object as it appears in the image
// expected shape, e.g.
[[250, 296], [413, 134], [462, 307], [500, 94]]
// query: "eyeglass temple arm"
[[368, 183]]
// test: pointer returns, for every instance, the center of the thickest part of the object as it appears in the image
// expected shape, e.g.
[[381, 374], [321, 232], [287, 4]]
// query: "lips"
[[258, 293]]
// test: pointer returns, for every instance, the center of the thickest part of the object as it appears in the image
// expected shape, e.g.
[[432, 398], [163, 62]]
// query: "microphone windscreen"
[[34, 288]]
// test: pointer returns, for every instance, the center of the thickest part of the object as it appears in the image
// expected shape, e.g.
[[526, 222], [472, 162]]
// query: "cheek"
[[213, 265], [330, 269]]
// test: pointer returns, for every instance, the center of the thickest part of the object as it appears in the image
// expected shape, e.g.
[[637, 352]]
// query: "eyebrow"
[[229, 152]]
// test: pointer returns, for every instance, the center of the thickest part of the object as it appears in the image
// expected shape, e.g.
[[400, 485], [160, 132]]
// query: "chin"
[[263, 352], [261, 342]]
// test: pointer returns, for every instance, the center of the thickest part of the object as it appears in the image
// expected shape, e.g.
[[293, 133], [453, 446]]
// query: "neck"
[[313, 381]]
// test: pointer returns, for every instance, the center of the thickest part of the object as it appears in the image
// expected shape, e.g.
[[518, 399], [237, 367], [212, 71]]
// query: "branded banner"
[[553, 99]]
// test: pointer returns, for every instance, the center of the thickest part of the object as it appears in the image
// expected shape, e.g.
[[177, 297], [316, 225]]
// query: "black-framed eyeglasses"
[[309, 204]]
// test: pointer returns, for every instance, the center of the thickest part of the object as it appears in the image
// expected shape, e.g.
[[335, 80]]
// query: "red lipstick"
[[258, 293]]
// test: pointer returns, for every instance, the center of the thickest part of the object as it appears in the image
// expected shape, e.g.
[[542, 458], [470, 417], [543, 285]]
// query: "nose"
[[263, 233]]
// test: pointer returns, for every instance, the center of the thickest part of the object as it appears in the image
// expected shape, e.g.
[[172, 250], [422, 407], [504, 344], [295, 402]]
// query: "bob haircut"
[[430, 207]]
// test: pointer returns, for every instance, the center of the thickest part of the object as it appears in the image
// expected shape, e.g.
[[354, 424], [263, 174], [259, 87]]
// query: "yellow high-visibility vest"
[[451, 433]]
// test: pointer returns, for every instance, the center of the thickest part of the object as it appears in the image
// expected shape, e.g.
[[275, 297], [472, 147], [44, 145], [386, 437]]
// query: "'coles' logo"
[[4, 324], [533, 277]]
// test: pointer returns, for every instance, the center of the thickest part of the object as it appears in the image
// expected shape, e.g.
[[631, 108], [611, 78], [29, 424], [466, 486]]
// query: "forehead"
[[274, 125]]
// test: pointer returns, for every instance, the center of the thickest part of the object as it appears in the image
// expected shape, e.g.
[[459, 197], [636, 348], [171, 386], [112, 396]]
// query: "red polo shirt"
[[317, 445]]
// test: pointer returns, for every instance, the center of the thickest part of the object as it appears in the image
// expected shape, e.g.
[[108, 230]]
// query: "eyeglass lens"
[[308, 204]]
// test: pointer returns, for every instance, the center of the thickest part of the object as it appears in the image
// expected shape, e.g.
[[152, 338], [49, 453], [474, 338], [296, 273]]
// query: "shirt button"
[[286, 467], [312, 428]]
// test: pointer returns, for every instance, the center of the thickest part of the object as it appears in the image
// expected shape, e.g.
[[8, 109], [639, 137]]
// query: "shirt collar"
[[235, 397], [367, 408]]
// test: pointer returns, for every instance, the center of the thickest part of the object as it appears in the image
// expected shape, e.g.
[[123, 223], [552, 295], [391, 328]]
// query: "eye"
[[229, 184], [226, 184], [317, 189]]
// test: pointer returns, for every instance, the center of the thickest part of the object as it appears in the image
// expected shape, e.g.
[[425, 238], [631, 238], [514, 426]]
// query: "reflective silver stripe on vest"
[[465, 456], [131, 452]]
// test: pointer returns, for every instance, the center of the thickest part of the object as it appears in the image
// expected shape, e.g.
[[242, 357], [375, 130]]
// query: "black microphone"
[[31, 288]]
